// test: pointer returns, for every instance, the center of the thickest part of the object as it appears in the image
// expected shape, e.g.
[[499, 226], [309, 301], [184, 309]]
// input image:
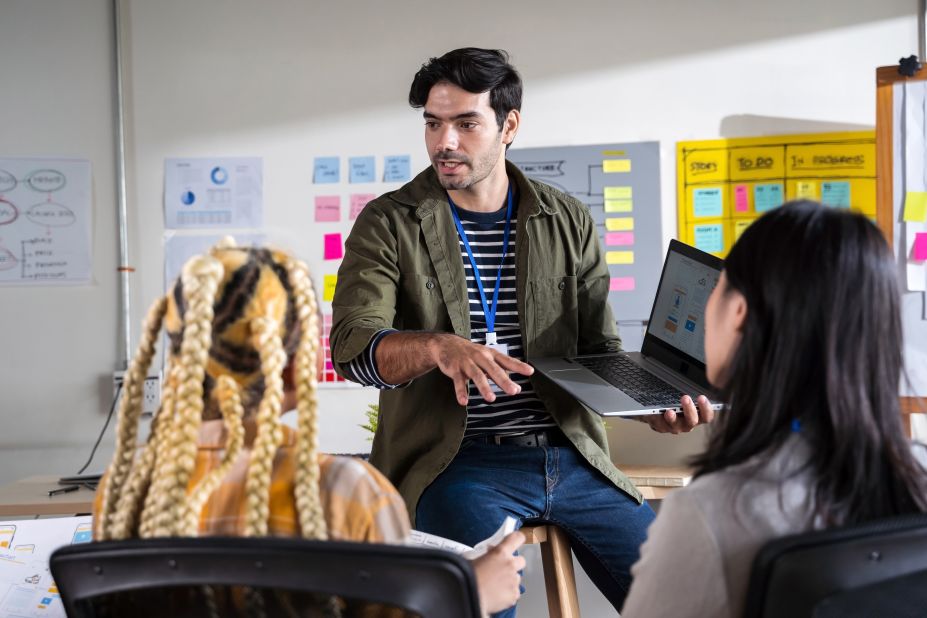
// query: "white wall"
[[291, 80]]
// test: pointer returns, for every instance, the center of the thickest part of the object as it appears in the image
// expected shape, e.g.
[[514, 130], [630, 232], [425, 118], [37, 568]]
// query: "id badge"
[[504, 349]]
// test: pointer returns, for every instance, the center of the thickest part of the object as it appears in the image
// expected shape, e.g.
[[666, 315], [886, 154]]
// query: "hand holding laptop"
[[693, 413]]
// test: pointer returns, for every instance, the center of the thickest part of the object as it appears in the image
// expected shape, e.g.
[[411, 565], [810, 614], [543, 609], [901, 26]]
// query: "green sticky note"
[[915, 206]]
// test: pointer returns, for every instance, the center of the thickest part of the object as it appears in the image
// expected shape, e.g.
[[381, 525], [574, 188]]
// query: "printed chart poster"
[[26, 586], [45, 222], [213, 193]]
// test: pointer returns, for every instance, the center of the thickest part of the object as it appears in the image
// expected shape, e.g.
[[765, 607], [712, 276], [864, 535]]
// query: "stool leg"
[[559, 578]]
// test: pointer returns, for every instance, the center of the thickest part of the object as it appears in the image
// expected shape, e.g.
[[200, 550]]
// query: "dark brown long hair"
[[821, 350]]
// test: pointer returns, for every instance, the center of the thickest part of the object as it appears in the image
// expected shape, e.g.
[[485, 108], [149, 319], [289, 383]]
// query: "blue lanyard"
[[488, 310]]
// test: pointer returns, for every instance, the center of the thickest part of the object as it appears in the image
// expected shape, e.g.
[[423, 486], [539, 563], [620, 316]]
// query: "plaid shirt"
[[358, 502]]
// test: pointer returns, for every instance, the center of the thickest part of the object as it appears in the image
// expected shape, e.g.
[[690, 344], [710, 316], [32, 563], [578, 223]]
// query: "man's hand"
[[693, 413], [463, 361], [497, 577]]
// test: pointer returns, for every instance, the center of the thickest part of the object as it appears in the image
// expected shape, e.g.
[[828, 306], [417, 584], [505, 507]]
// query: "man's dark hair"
[[475, 70]]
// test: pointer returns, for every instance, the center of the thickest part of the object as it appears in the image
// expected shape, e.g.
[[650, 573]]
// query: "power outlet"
[[151, 392]]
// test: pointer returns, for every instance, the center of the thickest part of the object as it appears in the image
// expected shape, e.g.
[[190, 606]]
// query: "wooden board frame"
[[886, 78]]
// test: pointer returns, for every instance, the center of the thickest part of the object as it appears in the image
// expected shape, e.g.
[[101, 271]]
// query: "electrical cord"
[[109, 417]]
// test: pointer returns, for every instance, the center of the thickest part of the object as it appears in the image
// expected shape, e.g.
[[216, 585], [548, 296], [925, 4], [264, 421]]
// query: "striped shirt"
[[508, 414]]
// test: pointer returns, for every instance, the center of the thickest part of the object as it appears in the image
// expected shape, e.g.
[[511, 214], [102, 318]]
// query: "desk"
[[655, 482], [29, 497]]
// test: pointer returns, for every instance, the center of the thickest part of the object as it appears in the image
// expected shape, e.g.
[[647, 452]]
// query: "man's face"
[[462, 136]]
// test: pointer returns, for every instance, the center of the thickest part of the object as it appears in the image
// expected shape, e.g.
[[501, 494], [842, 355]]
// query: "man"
[[447, 283]]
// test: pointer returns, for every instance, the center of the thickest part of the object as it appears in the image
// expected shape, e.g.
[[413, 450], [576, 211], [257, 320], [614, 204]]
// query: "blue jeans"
[[486, 482]]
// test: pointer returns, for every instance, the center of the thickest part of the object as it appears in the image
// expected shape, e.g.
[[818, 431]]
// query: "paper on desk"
[[418, 538], [26, 586]]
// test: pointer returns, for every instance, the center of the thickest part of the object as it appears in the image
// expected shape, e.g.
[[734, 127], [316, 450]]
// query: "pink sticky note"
[[920, 246], [333, 248], [621, 284], [358, 201], [614, 239], [327, 208], [740, 199]]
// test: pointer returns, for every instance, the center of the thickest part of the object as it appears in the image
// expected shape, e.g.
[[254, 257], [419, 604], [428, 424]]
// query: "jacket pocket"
[[556, 316], [420, 304]]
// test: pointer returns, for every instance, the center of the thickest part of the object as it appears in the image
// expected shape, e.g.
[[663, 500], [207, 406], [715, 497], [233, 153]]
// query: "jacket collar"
[[426, 194]]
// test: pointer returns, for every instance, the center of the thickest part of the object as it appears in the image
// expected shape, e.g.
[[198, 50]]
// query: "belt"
[[547, 437]]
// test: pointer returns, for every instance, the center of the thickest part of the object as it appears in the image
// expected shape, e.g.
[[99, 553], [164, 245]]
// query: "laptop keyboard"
[[634, 380]]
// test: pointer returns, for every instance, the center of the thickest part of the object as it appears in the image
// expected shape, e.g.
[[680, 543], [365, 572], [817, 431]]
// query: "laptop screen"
[[675, 334]]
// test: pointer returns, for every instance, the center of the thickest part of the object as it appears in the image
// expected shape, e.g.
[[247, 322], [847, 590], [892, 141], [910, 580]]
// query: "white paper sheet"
[[213, 193], [45, 222], [915, 176], [26, 586]]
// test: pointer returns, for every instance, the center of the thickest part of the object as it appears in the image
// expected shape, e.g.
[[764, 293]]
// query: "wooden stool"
[[559, 579]]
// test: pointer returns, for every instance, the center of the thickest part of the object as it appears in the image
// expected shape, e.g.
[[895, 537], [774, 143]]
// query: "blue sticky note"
[[710, 238], [835, 194], [362, 169], [708, 202], [397, 168], [767, 196], [327, 170]]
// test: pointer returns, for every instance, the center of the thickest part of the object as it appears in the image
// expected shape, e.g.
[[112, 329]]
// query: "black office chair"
[[224, 575], [878, 569]]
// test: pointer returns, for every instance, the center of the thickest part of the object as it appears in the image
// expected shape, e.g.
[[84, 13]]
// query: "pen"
[[63, 490]]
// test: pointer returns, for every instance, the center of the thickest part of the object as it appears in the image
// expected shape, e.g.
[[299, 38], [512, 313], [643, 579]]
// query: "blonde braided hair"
[[308, 503], [130, 411], [263, 307], [200, 280]]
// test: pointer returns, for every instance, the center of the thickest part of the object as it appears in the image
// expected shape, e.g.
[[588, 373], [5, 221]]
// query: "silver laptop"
[[672, 358]]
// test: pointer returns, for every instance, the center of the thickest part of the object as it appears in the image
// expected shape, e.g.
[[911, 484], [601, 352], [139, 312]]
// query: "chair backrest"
[[194, 576], [875, 569]]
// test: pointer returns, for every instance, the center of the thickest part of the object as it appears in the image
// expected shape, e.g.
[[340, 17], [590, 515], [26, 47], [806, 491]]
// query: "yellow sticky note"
[[739, 227], [617, 193], [618, 206], [328, 292], [619, 224], [805, 189], [619, 257], [611, 166], [915, 206]]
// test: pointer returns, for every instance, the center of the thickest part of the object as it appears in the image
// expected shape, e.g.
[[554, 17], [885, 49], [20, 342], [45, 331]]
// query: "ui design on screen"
[[679, 311]]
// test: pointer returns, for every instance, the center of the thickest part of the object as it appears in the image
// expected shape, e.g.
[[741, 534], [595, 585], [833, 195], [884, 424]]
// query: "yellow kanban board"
[[725, 184]]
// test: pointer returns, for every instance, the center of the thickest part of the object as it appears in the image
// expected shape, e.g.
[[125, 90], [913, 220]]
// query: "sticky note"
[[328, 289], [619, 224], [739, 227], [835, 194], [396, 168], [618, 193], [619, 257], [621, 284], [358, 201], [709, 238], [741, 199], [915, 206], [612, 166], [616, 239], [920, 246], [326, 170], [327, 208], [806, 189], [767, 196], [618, 206], [361, 169], [334, 250], [707, 202]]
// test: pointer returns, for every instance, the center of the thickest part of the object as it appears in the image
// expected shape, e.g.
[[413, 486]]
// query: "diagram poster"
[[213, 193], [45, 222]]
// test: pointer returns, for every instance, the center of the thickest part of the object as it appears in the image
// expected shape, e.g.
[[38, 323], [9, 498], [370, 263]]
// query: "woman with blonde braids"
[[244, 334]]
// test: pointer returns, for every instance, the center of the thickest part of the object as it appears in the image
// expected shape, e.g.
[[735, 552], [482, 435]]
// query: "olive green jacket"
[[402, 269]]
